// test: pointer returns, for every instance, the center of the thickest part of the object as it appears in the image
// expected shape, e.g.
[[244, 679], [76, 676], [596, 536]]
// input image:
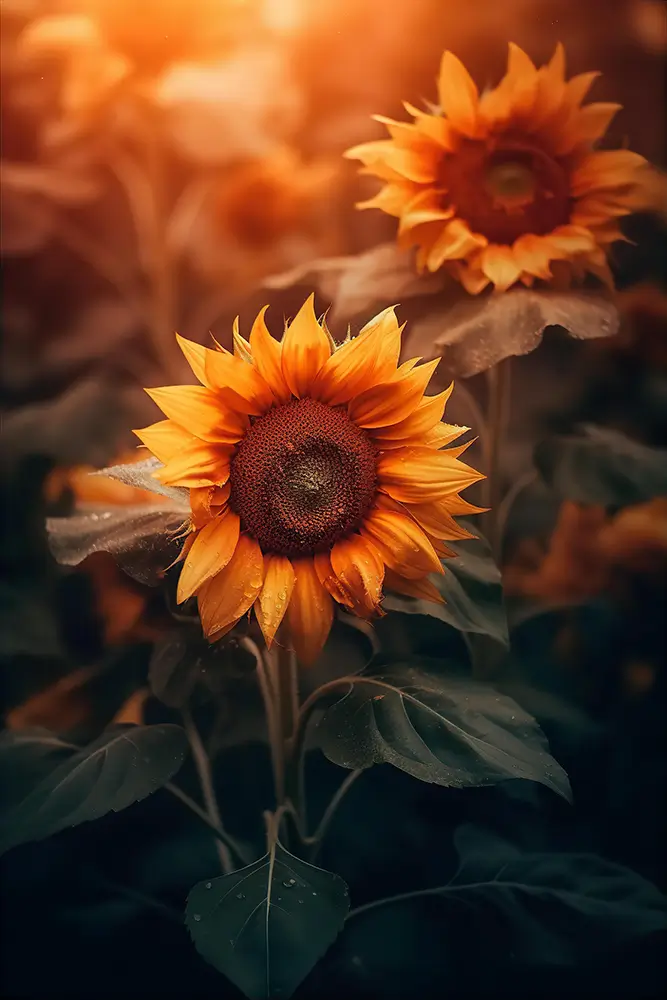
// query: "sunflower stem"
[[203, 766], [498, 408], [266, 682]]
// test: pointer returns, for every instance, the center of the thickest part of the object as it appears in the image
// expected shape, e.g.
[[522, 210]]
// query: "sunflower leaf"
[[475, 333], [602, 466], [141, 537], [266, 926], [443, 729], [124, 765], [472, 589]]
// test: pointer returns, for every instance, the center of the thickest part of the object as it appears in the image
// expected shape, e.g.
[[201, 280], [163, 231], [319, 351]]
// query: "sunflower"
[[317, 476], [497, 187], [109, 41]]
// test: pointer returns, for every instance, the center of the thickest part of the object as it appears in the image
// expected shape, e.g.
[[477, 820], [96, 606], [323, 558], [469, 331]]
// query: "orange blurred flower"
[[497, 187], [260, 217], [586, 550], [108, 41], [316, 475]]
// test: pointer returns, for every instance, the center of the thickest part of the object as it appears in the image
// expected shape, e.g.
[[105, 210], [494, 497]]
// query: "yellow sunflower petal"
[[587, 126], [424, 207], [392, 198], [329, 580], [423, 588], [389, 402], [401, 542], [360, 569], [438, 521], [369, 357], [424, 419], [201, 465], [241, 345], [207, 502], [271, 605], [533, 254], [229, 595], [414, 475], [210, 552], [456, 241], [305, 349], [201, 412], [458, 94], [604, 170], [166, 439], [226, 372], [310, 612], [267, 358], [443, 434], [401, 164], [500, 266], [436, 127]]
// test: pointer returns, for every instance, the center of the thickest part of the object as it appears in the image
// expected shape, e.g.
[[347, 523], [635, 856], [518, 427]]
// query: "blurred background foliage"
[[160, 158]]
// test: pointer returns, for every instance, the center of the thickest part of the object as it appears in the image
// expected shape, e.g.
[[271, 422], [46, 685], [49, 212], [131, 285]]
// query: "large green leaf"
[[124, 765], [444, 729], [267, 925], [602, 466], [472, 588]]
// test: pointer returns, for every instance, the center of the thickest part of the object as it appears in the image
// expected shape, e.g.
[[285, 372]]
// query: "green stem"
[[219, 831], [203, 765], [267, 689], [330, 811], [497, 419]]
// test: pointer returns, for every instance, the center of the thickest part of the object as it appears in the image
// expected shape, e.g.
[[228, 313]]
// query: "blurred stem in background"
[[497, 419]]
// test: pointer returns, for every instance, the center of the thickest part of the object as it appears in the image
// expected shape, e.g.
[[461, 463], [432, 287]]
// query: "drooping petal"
[[305, 349], [500, 266], [310, 612], [331, 583], [438, 521], [207, 502], [166, 439], [427, 206], [267, 358], [231, 593], [360, 569], [210, 552], [422, 588], [458, 94], [415, 475], [456, 241], [271, 605], [201, 412], [391, 198], [389, 402], [402, 544]]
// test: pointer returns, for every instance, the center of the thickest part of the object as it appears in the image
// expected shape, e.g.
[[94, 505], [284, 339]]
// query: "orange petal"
[[456, 241], [458, 94], [392, 199], [427, 206], [577, 88], [166, 439], [469, 274], [201, 412], [211, 550], [392, 401], [414, 475], [310, 612], [588, 125], [532, 254], [571, 240], [227, 596], [605, 169], [329, 580], [438, 521], [459, 507], [305, 349], [436, 127], [195, 355], [443, 434], [423, 588], [206, 502], [402, 544], [366, 359], [201, 465], [426, 416], [360, 569], [267, 358], [500, 266], [227, 372], [391, 162], [271, 605], [241, 345]]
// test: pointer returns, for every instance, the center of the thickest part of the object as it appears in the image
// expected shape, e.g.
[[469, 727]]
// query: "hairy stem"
[[203, 765], [497, 419]]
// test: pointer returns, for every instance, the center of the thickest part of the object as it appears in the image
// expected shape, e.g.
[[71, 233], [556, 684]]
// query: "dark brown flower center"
[[302, 477], [506, 191]]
